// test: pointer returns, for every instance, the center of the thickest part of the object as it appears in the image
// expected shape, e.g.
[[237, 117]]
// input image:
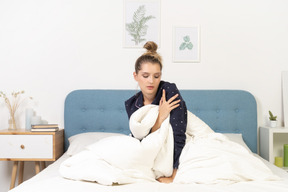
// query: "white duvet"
[[125, 159], [208, 157]]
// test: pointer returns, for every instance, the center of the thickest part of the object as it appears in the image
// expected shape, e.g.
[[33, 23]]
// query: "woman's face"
[[148, 79]]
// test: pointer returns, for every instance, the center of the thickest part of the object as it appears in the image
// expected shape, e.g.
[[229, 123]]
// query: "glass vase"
[[12, 123]]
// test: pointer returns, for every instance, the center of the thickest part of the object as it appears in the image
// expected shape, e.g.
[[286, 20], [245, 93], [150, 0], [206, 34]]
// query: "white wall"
[[49, 48]]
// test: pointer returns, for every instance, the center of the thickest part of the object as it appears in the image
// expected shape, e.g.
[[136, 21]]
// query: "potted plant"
[[273, 119]]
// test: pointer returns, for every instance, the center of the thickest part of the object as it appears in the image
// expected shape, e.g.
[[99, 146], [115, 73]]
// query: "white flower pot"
[[273, 123]]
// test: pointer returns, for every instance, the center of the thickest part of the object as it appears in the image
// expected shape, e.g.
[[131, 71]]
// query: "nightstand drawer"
[[22, 145], [26, 146]]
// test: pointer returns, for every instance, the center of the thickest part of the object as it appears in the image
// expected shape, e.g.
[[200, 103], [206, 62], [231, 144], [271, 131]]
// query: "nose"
[[151, 79]]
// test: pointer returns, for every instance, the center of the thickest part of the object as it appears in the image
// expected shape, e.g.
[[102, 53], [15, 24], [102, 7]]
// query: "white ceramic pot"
[[273, 123]]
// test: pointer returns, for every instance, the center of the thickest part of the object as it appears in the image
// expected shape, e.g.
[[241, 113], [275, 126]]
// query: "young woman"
[[148, 73]]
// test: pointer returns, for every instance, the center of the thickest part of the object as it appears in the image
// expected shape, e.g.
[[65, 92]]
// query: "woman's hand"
[[165, 179], [165, 107], [168, 179]]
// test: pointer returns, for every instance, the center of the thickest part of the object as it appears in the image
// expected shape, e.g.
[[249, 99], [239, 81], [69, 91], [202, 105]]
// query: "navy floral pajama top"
[[178, 116]]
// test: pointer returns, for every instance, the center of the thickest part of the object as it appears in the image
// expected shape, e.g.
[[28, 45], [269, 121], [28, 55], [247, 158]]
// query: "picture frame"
[[141, 22], [186, 44], [285, 96]]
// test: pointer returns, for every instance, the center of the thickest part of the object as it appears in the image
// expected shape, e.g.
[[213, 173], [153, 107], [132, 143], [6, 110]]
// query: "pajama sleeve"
[[178, 121]]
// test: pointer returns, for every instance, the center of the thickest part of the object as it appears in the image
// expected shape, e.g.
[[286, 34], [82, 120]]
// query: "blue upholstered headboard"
[[225, 111]]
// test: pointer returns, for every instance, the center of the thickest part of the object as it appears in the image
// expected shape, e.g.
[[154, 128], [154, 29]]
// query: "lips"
[[150, 87]]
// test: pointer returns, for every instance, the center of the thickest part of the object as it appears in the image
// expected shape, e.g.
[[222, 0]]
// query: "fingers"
[[165, 107], [161, 101], [174, 106], [163, 95], [172, 103], [163, 98], [175, 103], [173, 98]]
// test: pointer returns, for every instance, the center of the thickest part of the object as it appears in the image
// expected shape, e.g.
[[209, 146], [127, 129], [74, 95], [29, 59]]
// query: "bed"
[[88, 114]]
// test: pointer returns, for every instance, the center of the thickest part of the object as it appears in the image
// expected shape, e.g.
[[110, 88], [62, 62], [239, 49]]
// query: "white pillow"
[[237, 138], [78, 142]]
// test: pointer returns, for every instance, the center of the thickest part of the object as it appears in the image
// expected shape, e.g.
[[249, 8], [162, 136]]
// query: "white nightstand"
[[21, 145], [272, 141]]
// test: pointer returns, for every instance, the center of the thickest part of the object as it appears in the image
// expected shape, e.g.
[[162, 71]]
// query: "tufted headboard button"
[[120, 129]]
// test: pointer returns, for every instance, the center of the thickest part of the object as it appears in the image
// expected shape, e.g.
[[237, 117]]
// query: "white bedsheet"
[[50, 180]]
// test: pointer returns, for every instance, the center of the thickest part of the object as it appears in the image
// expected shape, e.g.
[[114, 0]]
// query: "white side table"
[[272, 141], [21, 145]]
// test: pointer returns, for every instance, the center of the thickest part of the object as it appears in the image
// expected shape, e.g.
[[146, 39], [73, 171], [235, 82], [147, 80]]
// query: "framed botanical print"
[[141, 22], [186, 46]]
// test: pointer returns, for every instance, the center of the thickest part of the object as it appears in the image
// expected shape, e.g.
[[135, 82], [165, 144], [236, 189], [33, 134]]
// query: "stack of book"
[[44, 127]]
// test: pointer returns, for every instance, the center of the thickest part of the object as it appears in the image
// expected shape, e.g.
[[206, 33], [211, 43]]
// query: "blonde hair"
[[150, 55]]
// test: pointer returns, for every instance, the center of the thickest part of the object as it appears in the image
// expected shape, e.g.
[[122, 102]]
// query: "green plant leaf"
[[141, 40], [139, 14], [182, 46], [145, 19], [189, 45], [186, 38], [272, 117], [143, 30]]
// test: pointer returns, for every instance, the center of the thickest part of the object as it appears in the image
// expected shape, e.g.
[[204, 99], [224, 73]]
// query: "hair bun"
[[151, 56], [150, 46]]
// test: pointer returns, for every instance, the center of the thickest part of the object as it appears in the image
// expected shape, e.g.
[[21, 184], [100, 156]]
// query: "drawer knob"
[[22, 147]]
